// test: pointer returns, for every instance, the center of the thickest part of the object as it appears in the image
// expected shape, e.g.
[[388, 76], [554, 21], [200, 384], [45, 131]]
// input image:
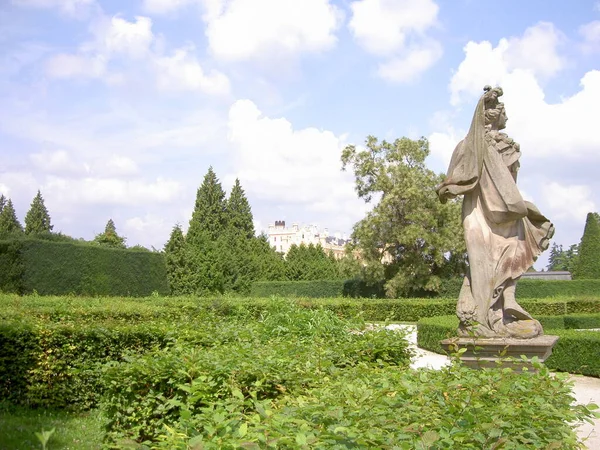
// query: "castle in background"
[[282, 238]]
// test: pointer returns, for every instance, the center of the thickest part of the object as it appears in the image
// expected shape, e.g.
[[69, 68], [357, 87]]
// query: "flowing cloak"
[[504, 233]]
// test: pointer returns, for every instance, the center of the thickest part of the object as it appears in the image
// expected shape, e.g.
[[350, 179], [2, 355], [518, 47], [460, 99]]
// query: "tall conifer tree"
[[2, 202], [8, 220], [209, 211], [239, 213], [110, 238], [175, 260], [37, 219], [588, 263]]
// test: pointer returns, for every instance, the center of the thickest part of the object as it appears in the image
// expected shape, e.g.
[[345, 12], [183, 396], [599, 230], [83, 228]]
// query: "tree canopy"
[[409, 238], [37, 219], [109, 237], [209, 210], [9, 224], [588, 262]]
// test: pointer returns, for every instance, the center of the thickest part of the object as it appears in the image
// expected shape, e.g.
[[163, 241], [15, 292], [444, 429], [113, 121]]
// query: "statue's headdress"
[[491, 96]]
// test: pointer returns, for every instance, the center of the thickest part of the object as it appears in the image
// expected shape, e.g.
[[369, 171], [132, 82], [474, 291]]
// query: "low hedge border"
[[130, 310], [575, 352]]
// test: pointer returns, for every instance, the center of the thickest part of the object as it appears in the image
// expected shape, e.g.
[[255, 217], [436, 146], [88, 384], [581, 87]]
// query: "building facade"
[[282, 238]]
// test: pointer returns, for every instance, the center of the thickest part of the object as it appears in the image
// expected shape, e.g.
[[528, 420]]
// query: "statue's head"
[[495, 114]]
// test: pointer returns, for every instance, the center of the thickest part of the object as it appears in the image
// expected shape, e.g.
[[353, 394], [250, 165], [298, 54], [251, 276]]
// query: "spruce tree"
[[37, 219], [9, 223], [588, 262], [175, 260], [239, 213], [110, 238], [2, 202], [209, 210]]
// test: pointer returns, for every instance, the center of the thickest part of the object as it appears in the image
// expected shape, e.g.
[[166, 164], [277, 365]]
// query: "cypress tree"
[[8, 220], [110, 238], [37, 219], [239, 213], [588, 262], [209, 211], [175, 260]]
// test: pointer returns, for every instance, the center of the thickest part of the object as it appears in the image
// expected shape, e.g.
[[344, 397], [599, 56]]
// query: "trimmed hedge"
[[575, 352], [450, 288], [59, 268]]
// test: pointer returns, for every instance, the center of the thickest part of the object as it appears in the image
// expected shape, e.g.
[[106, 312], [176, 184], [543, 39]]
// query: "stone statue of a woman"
[[504, 233]]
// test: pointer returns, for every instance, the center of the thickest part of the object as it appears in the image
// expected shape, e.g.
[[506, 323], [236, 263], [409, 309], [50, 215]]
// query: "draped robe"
[[504, 234]]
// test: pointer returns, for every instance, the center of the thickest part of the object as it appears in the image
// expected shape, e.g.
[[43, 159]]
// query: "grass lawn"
[[72, 430]]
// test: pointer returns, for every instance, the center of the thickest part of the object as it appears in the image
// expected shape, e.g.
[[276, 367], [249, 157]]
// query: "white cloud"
[[111, 191], [397, 31], [132, 44], [76, 66], [535, 52], [165, 6], [183, 72], [570, 202], [147, 230], [409, 66], [240, 30], [441, 146], [279, 164], [131, 38], [116, 165], [74, 8], [591, 36], [58, 162]]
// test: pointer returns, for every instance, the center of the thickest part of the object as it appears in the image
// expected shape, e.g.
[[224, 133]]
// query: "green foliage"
[[209, 216], [312, 289], [2, 202], [269, 264], [175, 262], [110, 238], [238, 212], [18, 428], [37, 219], [409, 238], [560, 259], [588, 262], [303, 263], [55, 267], [386, 408], [9, 224], [575, 352]]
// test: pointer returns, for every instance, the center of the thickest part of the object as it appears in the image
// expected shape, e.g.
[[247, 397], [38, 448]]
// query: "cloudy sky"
[[116, 109]]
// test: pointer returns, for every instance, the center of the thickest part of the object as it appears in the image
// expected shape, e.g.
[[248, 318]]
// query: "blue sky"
[[116, 109]]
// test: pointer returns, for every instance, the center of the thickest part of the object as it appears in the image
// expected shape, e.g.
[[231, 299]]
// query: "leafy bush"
[[57, 267], [575, 352], [368, 407], [313, 289]]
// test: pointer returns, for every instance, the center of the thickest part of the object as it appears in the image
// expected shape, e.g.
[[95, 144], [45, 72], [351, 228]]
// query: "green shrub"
[[575, 352], [58, 268], [370, 407], [313, 289]]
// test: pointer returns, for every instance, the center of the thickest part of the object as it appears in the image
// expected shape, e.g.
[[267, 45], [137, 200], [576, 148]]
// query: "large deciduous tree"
[[588, 263], [37, 219], [409, 238], [109, 237], [560, 259], [9, 224]]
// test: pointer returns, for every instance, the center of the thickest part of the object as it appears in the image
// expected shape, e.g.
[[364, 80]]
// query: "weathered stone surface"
[[503, 232], [492, 352]]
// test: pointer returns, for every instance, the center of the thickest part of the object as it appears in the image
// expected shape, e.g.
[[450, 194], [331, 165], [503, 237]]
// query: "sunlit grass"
[[76, 431]]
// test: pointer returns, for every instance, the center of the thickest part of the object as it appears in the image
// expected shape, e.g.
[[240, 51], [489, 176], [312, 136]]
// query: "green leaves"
[[409, 237], [37, 219], [587, 265]]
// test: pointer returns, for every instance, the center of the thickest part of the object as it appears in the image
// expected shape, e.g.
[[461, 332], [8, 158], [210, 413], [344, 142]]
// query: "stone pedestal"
[[487, 352]]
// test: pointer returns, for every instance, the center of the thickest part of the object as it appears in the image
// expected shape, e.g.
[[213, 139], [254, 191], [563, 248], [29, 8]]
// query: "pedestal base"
[[492, 352]]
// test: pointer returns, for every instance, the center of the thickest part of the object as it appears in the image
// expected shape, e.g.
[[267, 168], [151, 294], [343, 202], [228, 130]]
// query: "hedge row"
[[450, 288], [575, 352], [60, 268], [130, 310]]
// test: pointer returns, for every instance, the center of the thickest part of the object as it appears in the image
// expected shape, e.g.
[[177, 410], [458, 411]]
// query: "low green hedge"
[[575, 352], [450, 288]]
